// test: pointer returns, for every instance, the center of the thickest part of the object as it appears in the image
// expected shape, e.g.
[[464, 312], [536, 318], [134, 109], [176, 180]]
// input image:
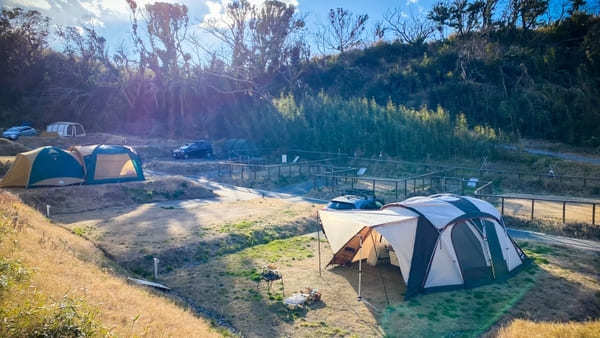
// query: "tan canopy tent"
[[109, 163], [438, 242], [45, 166]]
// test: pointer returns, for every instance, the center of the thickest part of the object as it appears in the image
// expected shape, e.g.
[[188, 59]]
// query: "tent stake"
[[359, 268]]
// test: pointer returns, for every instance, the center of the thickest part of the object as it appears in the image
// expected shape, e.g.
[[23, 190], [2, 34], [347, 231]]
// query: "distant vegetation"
[[468, 75]]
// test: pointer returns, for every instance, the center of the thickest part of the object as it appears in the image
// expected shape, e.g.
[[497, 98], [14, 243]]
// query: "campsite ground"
[[212, 250], [212, 247]]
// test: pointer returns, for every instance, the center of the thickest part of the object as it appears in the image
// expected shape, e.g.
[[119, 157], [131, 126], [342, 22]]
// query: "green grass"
[[462, 313]]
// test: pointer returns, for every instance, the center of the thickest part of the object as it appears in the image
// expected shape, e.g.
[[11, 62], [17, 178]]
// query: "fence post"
[[405, 189], [414, 185], [373, 187], [502, 206], [594, 214], [396, 190], [279, 172], [532, 208], [352, 183], [242, 173], [564, 207], [255, 170], [462, 187]]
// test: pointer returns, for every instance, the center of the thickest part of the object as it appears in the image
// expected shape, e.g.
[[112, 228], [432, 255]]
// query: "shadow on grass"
[[202, 251]]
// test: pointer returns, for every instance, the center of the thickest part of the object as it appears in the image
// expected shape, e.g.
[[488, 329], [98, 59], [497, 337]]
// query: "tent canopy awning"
[[341, 226]]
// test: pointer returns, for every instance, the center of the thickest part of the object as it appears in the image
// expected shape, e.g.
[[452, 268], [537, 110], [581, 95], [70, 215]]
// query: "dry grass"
[[66, 264], [567, 292], [191, 231], [210, 254], [10, 148], [529, 329], [74, 199]]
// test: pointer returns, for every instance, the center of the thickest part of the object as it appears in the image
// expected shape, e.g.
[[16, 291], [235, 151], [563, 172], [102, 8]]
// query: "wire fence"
[[331, 176]]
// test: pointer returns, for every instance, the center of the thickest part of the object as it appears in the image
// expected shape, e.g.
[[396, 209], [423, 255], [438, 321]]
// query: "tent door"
[[469, 253]]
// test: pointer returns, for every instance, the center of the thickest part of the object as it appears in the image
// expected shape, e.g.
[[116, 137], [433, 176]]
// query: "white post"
[[360, 268], [48, 210], [156, 260]]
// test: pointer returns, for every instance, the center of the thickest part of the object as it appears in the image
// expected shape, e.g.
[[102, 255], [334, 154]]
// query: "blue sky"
[[111, 17]]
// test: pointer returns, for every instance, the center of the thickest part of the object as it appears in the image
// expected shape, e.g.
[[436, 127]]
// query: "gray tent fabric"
[[438, 242]]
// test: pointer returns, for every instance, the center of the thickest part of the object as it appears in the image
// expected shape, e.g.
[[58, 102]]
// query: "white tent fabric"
[[401, 235], [444, 263], [340, 227], [437, 210], [508, 249]]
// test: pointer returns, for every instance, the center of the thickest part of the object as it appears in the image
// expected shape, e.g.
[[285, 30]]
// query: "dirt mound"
[[10, 148], [73, 199]]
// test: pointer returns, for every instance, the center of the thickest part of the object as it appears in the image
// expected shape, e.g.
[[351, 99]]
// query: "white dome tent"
[[439, 242]]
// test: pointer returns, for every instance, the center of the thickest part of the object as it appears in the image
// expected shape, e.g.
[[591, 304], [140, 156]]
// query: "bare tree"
[[408, 28], [232, 29], [344, 30]]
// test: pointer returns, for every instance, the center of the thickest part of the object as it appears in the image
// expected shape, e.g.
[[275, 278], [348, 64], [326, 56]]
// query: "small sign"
[[472, 182], [296, 159], [284, 158], [361, 171]]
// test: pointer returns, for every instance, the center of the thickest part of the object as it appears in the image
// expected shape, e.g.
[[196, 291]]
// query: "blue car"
[[353, 202], [14, 133]]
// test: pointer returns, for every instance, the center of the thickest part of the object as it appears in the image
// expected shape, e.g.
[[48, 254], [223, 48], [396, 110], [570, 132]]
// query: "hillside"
[[542, 83], [434, 97], [55, 283]]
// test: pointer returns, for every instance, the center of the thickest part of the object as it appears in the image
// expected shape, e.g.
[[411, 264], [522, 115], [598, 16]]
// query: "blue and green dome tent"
[[45, 166], [109, 163]]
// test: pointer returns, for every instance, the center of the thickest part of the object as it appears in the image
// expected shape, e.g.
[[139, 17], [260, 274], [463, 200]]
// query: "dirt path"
[[222, 189], [561, 155]]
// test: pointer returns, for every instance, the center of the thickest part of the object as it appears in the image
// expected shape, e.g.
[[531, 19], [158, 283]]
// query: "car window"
[[340, 205]]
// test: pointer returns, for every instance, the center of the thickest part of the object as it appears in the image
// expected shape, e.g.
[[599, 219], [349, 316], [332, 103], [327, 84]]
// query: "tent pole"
[[360, 268], [319, 242]]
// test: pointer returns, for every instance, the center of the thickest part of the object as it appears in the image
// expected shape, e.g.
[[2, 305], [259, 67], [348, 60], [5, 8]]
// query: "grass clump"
[[25, 312]]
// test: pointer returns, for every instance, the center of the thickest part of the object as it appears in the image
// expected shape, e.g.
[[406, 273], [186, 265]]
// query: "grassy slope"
[[64, 266], [526, 329]]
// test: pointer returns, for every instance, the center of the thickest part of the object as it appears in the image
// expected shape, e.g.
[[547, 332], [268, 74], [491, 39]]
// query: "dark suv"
[[198, 149], [352, 202]]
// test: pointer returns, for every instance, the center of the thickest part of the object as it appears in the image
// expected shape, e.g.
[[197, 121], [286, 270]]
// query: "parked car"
[[198, 149], [14, 133], [352, 202]]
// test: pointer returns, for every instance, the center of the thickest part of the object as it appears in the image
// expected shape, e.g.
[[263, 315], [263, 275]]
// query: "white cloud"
[[37, 4], [216, 9]]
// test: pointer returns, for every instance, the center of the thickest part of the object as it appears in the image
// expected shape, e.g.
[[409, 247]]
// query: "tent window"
[[79, 130], [70, 131], [114, 166]]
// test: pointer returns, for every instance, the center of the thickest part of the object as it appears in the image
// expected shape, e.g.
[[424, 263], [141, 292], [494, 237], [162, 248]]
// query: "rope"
[[379, 272]]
